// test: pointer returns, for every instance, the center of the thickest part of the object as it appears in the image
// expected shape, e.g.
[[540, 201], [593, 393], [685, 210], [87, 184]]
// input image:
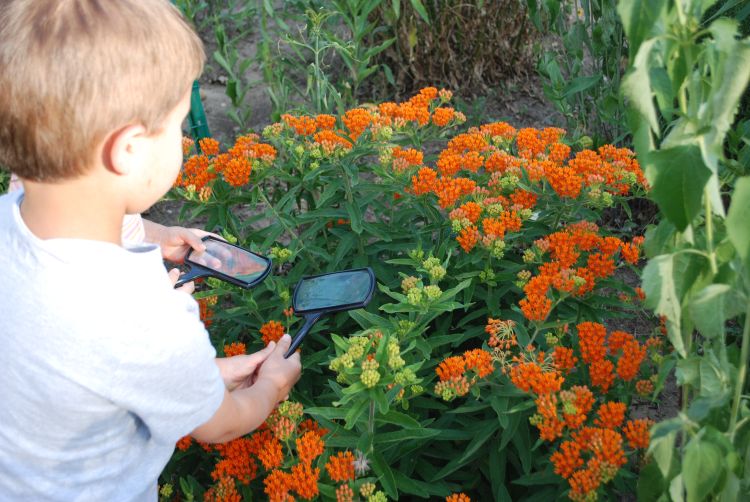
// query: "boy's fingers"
[[174, 275], [192, 240]]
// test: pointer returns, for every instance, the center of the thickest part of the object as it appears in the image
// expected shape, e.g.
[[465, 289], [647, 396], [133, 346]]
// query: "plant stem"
[[371, 424], [740, 374], [710, 232], [290, 230]]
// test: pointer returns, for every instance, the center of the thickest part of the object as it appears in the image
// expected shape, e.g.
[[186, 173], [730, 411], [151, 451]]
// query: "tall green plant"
[[684, 85], [582, 75]]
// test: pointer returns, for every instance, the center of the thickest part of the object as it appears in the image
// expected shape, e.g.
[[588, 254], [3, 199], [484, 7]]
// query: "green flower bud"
[[430, 262], [385, 133], [529, 256], [370, 378], [497, 248], [166, 490], [416, 254], [213, 282], [299, 150], [285, 296], [417, 389], [409, 283], [369, 364], [436, 273], [494, 209], [433, 292], [377, 497], [414, 296], [314, 165]]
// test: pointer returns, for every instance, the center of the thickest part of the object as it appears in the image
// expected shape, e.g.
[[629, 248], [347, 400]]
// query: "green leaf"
[[405, 435], [702, 466], [661, 296], [355, 215], [641, 20], [738, 219], [636, 85], [580, 84], [396, 418], [677, 176], [385, 475], [419, 488], [419, 7], [707, 308], [651, 483]]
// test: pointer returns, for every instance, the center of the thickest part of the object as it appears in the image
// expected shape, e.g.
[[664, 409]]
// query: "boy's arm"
[[245, 409]]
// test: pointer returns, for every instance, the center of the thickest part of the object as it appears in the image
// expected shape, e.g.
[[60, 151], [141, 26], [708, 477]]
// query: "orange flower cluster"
[[452, 372], [341, 467], [235, 166], [272, 331], [592, 447], [458, 497], [205, 309], [235, 349], [579, 257], [418, 110], [241, 460], [403, 158]]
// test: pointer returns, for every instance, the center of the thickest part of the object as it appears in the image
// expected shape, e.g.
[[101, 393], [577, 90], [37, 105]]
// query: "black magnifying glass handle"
[[193, 273], [310, 320]]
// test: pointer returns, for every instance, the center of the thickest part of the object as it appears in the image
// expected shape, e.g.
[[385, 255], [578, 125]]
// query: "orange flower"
[[583, 483], [237, 171], [357, 120], [236, 461], [277, 486], [611, 415], [272, 331], [480, 361], [344, 493], [184, 443], [457, 497], [424, 182], [529, 376], [304, 481], [637, 432], [450, 368], [602, 374], [304, 126], [309, 447], [235, 349], [524, 199], [209, 146], [564, 358], [271, 455], [607, 447], [329, 140], [644, 387], [224, 491], [187, 145], [629, 364], [468, 238], [567, 459], [471, 211], [441, 117], [327, 122], [591, 340], [311, 425], [341, 466]]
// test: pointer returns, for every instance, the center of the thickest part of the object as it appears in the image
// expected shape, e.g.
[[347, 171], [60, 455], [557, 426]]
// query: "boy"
[[103, 364]]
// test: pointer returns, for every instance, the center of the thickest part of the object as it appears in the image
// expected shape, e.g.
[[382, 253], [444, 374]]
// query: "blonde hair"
[[74, 71]]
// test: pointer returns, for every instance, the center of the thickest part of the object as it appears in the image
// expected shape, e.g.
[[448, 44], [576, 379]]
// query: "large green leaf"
[[677, 176], [666, 279], [641, 20], [702, 466], [708, 309], [637, 86], [738, 219]]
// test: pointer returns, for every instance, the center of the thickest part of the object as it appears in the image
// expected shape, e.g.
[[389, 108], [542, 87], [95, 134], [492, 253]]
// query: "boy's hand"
[[281, 373], [239, 372], [174, 276], [175, 242]]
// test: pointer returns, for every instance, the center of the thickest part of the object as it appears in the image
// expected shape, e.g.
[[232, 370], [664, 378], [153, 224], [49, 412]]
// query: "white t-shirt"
[[103, 367]]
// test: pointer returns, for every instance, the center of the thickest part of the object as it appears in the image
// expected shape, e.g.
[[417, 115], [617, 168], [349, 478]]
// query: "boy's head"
[[73, 72]]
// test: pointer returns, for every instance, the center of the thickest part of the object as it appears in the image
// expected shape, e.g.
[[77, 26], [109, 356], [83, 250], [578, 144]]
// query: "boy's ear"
[[125, 149]]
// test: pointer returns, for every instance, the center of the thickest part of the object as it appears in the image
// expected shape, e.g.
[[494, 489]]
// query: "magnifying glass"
[[227, 262], [318, 295]]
